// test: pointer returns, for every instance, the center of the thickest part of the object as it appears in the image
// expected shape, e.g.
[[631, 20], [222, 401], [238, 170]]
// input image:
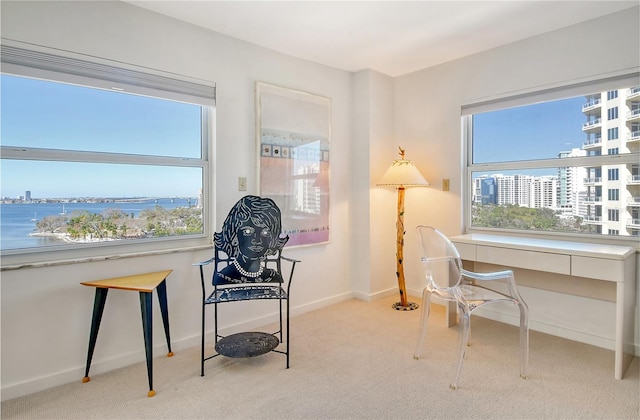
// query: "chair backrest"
[[439, 257], [249, 246]]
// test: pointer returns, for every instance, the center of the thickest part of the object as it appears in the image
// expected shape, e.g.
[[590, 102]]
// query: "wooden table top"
[[144, 282]]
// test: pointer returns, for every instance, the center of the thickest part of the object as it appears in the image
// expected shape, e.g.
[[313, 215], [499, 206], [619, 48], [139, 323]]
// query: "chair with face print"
[[247, 265]]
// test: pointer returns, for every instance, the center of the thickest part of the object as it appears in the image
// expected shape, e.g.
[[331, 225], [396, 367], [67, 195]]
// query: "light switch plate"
[[242, 183], [445, 185]]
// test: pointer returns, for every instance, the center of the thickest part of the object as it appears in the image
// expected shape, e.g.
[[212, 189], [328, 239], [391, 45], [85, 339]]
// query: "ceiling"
[[391, 37]]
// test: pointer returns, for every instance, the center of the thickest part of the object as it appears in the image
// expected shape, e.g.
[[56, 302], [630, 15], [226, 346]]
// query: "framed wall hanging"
[[293, 130]]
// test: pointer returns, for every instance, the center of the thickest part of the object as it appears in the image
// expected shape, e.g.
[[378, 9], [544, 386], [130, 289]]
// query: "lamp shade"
[[403, 173]]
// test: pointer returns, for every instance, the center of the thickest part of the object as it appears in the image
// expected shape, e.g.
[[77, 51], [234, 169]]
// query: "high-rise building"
[[27, 195], [570, 184], [485, 190], [514, 189], [543, 192], [613, 191]]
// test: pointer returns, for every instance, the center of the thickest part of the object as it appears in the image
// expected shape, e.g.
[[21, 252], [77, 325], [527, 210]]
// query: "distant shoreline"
[[92, 200], [67, 238]]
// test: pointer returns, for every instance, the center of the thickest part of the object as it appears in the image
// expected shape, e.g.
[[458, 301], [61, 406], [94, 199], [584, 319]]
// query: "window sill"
[[628, 241], [89, 259]]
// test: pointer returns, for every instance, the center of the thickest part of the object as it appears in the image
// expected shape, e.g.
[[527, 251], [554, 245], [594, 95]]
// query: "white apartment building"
[[543, 192], [514, 189], [613, 191], [571, 188]]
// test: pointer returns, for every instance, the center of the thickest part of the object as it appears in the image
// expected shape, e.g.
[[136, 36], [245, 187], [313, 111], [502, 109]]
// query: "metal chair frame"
[[244, 292]]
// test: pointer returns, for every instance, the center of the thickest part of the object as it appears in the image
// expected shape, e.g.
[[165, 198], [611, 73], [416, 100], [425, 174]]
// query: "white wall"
[[46, 313], [374, 149]]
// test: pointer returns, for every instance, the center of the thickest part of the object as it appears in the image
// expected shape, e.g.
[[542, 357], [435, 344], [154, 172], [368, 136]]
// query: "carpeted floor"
[[354, 360]]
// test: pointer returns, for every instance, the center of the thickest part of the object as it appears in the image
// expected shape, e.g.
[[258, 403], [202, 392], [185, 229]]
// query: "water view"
[[21, 223]]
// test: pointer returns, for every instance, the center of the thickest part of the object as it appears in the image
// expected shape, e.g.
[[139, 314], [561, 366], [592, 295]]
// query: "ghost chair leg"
[[426, 308], [524, 340], [463, 339]]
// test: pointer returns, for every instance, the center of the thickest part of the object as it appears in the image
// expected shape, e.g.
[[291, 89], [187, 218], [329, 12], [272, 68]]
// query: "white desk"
[[616, 264]]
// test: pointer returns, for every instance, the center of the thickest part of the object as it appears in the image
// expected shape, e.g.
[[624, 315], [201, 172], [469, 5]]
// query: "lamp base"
[[399, 307]]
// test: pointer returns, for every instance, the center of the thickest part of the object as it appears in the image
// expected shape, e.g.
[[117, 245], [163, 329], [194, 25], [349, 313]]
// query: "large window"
[[536, 162], [85, 166]]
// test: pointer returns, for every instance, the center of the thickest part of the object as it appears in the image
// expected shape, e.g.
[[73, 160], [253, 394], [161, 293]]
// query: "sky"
[[43, 114], [537, 131]]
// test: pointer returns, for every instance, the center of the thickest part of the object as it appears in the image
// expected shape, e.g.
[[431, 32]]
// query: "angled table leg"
[[147, 329], [162, 298], [98, 309]]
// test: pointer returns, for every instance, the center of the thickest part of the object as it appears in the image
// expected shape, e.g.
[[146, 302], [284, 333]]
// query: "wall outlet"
[[242, 183], [445, 185]]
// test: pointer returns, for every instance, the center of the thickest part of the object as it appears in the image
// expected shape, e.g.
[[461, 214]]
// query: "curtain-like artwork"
[[294, 133]]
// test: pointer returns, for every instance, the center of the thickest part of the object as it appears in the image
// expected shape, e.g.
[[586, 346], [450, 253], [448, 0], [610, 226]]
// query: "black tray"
[[247, 344]]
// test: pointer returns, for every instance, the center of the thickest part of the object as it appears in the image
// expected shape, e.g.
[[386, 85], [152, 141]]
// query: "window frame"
[[558, 92], [29, 61]]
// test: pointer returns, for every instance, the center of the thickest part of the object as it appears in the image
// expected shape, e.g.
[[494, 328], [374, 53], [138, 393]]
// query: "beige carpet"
[[354, 361]]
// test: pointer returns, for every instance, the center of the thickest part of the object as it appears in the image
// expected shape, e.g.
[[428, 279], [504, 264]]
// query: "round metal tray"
[[247, 344]]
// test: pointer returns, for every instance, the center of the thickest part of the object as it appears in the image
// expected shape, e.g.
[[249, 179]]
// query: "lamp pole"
[[403, 304]]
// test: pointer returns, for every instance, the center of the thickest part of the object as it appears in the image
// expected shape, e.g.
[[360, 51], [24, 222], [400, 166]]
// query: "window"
[[614, 215], [538, 161], [89, 167]]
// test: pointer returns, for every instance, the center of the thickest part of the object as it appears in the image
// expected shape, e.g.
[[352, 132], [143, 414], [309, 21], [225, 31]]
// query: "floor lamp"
[[400, 175]]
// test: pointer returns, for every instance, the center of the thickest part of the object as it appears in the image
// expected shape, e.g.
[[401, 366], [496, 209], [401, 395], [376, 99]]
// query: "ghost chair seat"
[[447, 280]]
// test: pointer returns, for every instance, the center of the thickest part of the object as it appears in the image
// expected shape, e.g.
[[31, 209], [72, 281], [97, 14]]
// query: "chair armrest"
[[209, 261], [433, 259], [496, 275], [293, 267], [202, 282]]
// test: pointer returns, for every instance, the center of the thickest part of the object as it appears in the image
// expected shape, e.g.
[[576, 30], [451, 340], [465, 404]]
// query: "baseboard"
[[105, 365], [371, 297], [101, 366], [567, 333], [551, 329]]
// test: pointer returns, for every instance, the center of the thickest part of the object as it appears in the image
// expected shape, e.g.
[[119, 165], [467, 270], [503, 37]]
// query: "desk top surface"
[[144, 282], [617, 252]]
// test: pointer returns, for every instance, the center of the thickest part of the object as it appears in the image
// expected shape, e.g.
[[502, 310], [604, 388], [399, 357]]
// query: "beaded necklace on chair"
[[245, 273]]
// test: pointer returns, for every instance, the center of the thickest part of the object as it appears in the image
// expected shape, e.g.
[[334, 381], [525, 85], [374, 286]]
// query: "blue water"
[[17, 221]]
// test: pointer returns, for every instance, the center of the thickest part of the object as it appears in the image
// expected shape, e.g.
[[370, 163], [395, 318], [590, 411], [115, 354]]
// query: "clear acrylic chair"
[[447, 280]]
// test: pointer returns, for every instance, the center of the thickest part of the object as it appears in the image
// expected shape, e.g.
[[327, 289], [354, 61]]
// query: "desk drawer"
[[532, 260], [597, 268]]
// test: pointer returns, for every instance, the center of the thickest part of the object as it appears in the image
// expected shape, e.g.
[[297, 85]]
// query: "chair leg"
[[426, 308], [288, 325], [202, 343], [524, 340], [463, 339]]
